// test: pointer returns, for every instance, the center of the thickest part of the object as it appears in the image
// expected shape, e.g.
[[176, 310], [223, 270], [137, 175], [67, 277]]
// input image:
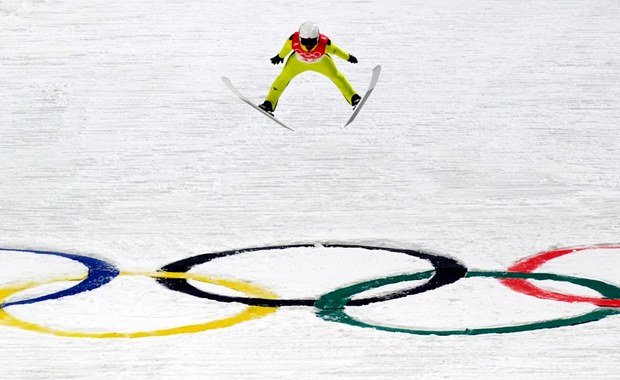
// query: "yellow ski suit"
[[295, 65]]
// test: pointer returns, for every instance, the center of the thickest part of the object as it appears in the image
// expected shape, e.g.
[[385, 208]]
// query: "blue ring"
[[99, 274]]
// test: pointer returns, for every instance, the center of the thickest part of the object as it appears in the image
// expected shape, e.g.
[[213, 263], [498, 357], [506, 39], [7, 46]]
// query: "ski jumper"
[[317, 59]]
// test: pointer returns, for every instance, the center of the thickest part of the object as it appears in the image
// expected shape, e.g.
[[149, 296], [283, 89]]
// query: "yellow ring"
[[251, 312]]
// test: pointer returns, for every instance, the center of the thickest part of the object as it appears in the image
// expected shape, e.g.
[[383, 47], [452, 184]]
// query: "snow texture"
[[492, 135]]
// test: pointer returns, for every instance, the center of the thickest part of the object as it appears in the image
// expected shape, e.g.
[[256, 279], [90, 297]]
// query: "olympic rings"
[[99, 274], [530, 264], [447, 271], [251, 312], [331, 306]]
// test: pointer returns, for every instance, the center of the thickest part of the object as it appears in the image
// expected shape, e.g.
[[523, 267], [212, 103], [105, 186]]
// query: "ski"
[[232, 88], [373, 82]]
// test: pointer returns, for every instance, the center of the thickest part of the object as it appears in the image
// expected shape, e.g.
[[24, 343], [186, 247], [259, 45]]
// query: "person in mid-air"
[[311, 51]]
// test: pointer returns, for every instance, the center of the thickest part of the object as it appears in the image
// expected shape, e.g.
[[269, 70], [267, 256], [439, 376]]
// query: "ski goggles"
[[309, 42]]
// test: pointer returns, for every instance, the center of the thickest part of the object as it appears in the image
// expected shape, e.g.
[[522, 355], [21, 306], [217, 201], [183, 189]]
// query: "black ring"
[[447, 271]]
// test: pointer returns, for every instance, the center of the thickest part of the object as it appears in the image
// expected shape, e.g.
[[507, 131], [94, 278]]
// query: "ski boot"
[[355, 99], [267, 107]]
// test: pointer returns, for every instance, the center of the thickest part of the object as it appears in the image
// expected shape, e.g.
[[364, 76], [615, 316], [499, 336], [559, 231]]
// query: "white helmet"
[[309, 30]]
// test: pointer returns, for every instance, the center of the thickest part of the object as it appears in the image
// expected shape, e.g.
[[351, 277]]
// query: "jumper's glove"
[[352, 59], [275, 60]]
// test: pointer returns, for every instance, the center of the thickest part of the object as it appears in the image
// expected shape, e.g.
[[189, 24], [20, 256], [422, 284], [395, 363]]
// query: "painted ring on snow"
[[331, 306], [249, 313], [532, 263], [99, 274], [447, 271]]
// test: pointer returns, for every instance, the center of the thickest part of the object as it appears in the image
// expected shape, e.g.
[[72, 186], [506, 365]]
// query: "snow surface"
[[492, 135]]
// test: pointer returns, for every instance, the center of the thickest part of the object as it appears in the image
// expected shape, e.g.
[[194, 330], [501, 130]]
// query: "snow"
[[492, 135]]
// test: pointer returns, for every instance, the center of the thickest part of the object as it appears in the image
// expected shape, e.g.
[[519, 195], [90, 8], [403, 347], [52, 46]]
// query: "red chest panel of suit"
[[313, 55]]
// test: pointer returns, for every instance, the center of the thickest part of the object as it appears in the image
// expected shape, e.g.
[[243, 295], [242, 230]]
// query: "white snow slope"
[[491, 136]]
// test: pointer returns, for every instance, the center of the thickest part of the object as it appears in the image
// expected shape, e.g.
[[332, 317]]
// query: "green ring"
[[331, 306]]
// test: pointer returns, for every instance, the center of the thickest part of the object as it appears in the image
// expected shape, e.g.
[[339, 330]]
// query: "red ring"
[[530, 264]]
